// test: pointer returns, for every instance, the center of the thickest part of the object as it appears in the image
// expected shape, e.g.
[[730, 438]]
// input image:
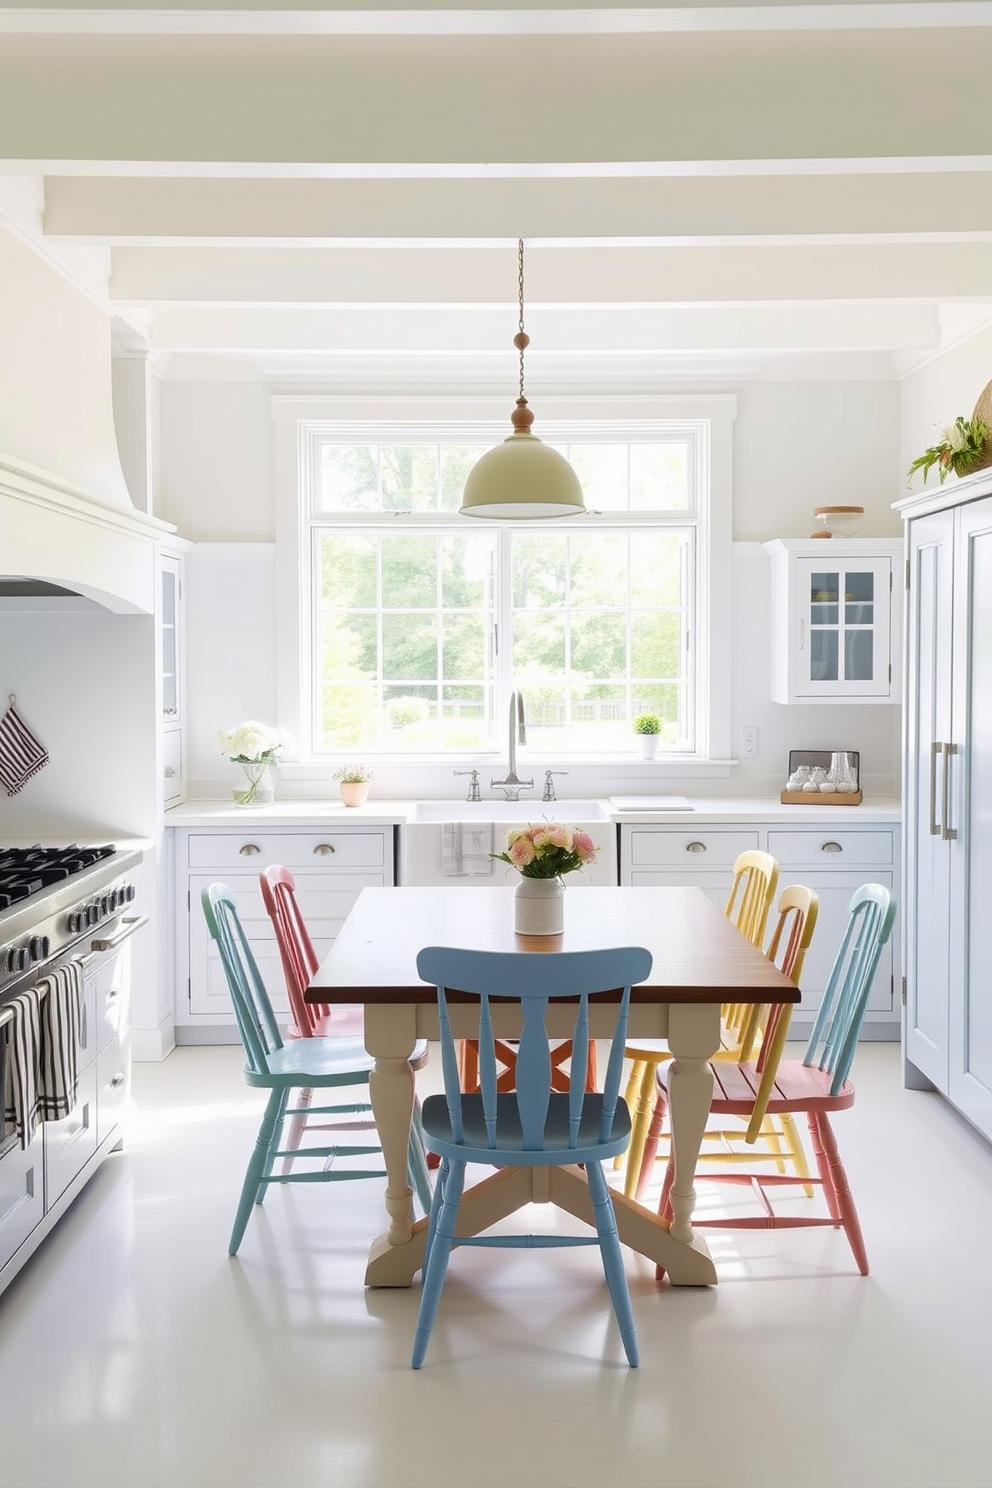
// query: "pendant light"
[[522, 477]]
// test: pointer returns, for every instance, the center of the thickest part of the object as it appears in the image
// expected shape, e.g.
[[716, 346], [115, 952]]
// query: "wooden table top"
[[698, 955]]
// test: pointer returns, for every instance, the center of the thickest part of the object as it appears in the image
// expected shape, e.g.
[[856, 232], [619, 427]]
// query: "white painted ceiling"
[[332, 195]]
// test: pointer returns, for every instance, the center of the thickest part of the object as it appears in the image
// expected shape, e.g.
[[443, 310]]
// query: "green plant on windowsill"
[[353, 775], [958, 453], [647, 723]]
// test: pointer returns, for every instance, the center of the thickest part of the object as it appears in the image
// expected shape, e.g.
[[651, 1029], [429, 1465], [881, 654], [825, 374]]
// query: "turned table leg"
[[390, 1034], [693, 1037]]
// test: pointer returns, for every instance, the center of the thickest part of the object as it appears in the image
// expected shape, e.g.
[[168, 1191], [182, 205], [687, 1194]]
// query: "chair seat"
[[556, 1151], [798, 1087], [322, 1061]]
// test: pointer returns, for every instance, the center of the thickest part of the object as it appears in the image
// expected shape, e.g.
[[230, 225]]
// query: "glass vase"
[[255, 788], [539, 906]]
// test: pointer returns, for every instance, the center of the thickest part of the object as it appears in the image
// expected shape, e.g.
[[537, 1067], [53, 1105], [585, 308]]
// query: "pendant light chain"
[[522, 339]]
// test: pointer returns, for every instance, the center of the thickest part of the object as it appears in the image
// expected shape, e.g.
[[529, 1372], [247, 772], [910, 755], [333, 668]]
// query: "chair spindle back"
[[256, 1020], [536, 980], [845, 1001]]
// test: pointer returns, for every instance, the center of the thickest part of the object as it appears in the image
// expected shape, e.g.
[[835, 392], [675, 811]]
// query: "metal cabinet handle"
[[249, 850], [169, 772], [947, 832], [802, 633], [322, 849], [695, 847], [831, 847], [935, 750], [118, 1081]]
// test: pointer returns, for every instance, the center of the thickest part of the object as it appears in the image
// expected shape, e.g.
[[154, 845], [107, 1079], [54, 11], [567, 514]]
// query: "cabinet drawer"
[[22, 1195], [689, 849], [830, 848], [254, 851], [113, 1082], [71, 1142]]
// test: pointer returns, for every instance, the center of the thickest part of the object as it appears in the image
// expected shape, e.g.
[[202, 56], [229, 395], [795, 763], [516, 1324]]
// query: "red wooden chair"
[[321, 1020]]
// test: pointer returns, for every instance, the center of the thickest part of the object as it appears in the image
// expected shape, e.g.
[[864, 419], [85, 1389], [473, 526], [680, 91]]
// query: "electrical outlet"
[[749, 743]]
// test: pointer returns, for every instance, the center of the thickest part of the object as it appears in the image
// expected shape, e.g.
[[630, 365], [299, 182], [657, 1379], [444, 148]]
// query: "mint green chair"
[[301, 1064]]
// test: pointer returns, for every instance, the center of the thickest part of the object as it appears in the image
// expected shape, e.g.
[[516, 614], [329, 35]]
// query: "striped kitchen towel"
[[21, 754], [59, 1042], [19, 1037]]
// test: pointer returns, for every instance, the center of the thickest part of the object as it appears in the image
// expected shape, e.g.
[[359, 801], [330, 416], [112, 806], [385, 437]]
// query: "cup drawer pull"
[[695, 847], [249, 850], [831, 847], [323, 848]]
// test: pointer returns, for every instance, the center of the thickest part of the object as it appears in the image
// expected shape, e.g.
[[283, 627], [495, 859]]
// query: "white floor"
[[135, 1354]]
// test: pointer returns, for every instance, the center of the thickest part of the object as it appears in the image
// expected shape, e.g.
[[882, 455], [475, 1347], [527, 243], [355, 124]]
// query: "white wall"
[[934, 396], [797, 446], [216, 477], [56, 409]]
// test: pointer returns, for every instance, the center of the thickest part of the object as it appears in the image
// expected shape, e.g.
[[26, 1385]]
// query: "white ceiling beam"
[[486, 332], [319, 100], [198, 212], [486, 18], [563, 276]]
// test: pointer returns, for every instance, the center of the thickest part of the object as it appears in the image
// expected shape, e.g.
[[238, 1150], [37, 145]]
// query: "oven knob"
[[18, 958], [92, 914], [106, 905], [130, 892], [76, 921], [40, 947]]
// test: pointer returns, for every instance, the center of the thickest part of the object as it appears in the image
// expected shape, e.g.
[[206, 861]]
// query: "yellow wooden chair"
[[751, 896], [764, 1031]]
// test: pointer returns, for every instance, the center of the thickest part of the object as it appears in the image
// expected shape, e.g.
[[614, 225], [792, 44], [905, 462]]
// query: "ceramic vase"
[[539, 906], [354, 792], [255, 787], [647, 745]]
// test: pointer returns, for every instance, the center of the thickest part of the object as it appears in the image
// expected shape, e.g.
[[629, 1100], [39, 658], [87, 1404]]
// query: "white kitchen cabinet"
[[836, 628], [948, 796], [833, 859], [331, 866]]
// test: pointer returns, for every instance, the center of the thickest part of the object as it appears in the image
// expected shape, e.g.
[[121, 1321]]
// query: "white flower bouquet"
[[253, 746], [252, 743]]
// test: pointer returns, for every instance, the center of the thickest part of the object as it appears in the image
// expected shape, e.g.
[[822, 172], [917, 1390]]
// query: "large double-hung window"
[[418, 622]]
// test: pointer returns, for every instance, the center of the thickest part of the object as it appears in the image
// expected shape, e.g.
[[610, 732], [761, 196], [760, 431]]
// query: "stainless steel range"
[[59, 905], [52, 899]]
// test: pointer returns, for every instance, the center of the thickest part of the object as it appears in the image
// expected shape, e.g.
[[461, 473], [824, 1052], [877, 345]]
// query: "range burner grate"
[[27, 870]]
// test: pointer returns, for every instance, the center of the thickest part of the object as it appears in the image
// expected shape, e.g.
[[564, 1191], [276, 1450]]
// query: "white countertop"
[[710, 810]]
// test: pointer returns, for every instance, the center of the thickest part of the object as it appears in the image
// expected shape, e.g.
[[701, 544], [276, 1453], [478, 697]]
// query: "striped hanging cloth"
[[19, 1038], [21, 754], [59, 1041]]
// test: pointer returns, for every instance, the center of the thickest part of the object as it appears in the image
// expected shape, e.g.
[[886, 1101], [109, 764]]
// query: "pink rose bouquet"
[[547, 850]]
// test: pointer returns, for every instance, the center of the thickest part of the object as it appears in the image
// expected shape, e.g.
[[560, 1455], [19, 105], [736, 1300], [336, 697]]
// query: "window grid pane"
[[599, 617]]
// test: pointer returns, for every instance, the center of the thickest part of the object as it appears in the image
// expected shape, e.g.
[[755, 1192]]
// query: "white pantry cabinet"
[[171, 674], [331, 865], [948, 795], [832, 857], [835, 620]]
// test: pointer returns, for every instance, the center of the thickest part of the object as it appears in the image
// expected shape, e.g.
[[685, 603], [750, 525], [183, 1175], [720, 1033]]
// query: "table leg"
[[390, 1039], [693, 1037]]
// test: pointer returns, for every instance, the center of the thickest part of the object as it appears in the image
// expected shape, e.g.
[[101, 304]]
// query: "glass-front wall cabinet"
[[833, 625]]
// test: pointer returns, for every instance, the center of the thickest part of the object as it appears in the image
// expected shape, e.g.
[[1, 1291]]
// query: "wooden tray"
[[820, 798]]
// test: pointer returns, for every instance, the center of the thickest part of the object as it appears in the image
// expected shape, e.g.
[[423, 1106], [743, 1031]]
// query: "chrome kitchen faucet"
[[513, 785]]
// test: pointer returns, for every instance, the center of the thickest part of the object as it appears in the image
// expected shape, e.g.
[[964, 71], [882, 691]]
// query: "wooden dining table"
[[700, 962]]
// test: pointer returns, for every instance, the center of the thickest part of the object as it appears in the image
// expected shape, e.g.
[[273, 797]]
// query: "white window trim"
[[295, 420]]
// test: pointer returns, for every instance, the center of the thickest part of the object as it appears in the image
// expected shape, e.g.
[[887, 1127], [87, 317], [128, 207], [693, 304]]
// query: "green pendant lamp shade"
[[522, 477]]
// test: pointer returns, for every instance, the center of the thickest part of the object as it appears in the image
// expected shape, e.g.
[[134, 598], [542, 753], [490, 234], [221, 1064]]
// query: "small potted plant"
[[353, 781], [647, 727], [963, 449]]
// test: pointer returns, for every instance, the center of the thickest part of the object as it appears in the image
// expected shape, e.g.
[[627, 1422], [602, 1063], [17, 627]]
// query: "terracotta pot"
[[354, 792]]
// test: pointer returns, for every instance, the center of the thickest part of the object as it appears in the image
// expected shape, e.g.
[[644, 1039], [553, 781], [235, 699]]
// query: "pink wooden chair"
[[817, 1086], [321, 1020]]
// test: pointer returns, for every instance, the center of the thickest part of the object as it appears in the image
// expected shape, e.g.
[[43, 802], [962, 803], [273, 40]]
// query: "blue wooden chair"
[[816, 1086], [297, 1065], [533, 1125]]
